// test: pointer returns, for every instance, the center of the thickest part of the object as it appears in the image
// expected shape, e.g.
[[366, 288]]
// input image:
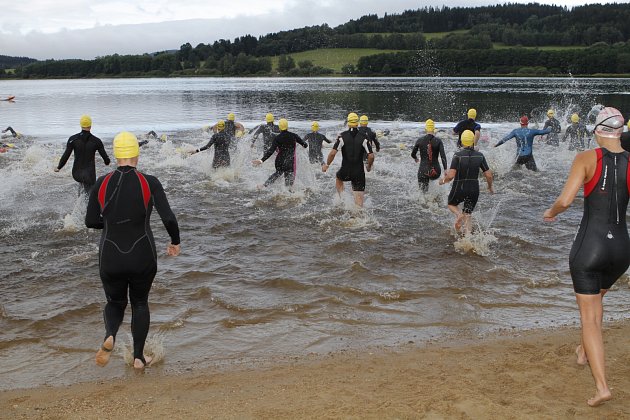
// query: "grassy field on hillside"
[[332, 58], [502, 46]]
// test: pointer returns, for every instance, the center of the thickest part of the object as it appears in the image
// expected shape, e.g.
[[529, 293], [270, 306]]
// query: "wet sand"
[[528, 375]]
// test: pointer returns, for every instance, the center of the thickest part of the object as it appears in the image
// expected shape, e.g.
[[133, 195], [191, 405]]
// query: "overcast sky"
[[90, 28]]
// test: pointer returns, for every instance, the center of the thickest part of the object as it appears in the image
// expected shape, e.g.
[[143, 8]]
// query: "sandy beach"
[[527, 375]]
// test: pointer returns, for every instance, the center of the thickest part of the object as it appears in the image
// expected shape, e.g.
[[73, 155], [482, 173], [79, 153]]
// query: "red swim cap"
[[524, 120]]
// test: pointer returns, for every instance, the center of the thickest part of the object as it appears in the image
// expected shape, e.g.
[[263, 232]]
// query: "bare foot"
[[581, 355], [138, 364], [599, 398], [103, 354], [458, 222]]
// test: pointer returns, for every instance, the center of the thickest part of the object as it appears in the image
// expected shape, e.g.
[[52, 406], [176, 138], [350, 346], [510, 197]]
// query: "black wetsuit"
[[151, 134], [221, 144], [230, 131], [11, 130], [430, 147], [285, 143], [467, 162], [315, 141], [577, 134], [625, 141], [371, 136], [268, 131], [354, 144], [553, 138], [468, 124], [121, 204], [84, 145], [601, 250]]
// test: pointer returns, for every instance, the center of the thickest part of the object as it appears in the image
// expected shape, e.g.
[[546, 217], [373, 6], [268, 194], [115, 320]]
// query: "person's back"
[[222, 144], [468, 163], [370, 135], [285, 143], [268, 131], [467, 124], [315, 140]]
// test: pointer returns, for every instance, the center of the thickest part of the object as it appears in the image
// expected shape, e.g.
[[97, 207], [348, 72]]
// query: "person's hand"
[[368, 167], [173, 250], [192, 152], [325, 167], [417, 160], [442, 181], [548, 216], [257, 162], [56, 169]]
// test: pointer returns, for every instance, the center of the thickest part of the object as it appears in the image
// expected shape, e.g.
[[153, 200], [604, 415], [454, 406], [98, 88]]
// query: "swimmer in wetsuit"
[[269, 130], [599, 255], [577, 134], [285, 144], [121, 204], [221, 143], [625, 139], [468, 124], [465, 167], [353, 145], [430, 147], [152, 135], [315, 140], [84, 145], [554, 137], [524, 142], [369, 134], [14, 133]]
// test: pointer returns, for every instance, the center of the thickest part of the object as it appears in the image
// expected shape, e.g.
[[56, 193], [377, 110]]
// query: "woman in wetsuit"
[[121, 203], [599, 255]]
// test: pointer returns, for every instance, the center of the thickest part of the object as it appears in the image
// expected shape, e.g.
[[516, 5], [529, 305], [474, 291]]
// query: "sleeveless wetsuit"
[[285, 143], [601, 250], [315, 141], [84, 145], [121, 204], [467, 162], [221, 144], [353, 146], [268, 131], [429, 165]]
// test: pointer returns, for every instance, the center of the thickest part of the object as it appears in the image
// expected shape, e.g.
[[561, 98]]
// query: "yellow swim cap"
[[628, 124], [363, 120], [126, 145], [85, 121], [575, 118], [353, 120], [231, 116], [315, 126], [220, 125], [269, 117], [239, 134], [468, 138], [551, 113], [429, 125], [283, 124], [472, 113]]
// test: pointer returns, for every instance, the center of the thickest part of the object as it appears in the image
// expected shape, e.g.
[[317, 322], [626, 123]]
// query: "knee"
[[118, 303]]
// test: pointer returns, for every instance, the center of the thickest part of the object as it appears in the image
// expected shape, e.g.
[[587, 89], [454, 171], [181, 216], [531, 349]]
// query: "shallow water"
[[274, 272]]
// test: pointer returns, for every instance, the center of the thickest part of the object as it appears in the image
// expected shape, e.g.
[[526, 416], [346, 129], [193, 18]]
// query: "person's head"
[[269, 118], [85, 122], [126, 149], [283, 124], [472, 113], [551, 113], [315, 126], [575, 118], [429, 126], [468, 138], [231, 116], [220, 125], [363, 120], [353, 120], [524, 121], [608, 124]]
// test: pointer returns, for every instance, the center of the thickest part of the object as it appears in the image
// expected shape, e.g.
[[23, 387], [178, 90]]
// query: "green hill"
[[332, 58]]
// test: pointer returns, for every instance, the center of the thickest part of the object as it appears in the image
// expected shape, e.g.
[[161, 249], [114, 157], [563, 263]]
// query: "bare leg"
[[339, 185], [467, 222], [591, 315], [358, 197], [458, 216]]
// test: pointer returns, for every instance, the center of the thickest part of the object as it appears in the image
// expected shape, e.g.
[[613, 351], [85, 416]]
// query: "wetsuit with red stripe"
[[601, 250], [121, 203], [285, 144]]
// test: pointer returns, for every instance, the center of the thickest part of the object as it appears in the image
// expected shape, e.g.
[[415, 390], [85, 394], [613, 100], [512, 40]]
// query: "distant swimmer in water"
[[14, 133], [524, 142], [430, 147], [353, 144], [84, 145], [269, 130], [315, 140], [577, 134], [285, 143], [221, 143], [468, 124], [152, 135], [625, 139], [121, 204], [465, 167], [554, 137], [369, 134], [599, 255]]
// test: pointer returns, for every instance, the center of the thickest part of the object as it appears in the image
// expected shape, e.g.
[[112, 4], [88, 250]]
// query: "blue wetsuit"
[[524, 140]]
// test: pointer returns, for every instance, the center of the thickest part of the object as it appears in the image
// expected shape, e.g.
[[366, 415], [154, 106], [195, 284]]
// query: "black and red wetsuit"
[[600, 252], [121, 204]]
